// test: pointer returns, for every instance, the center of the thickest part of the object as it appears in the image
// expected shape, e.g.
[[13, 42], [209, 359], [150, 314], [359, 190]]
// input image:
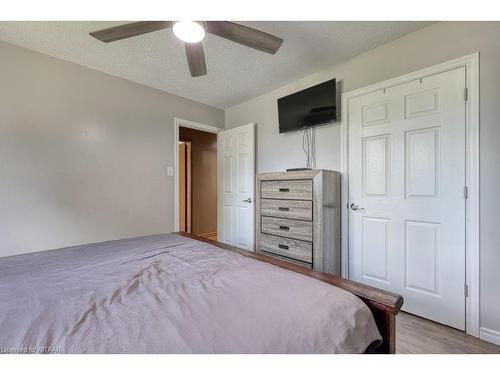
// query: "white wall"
[[429, 46], [83, 155]]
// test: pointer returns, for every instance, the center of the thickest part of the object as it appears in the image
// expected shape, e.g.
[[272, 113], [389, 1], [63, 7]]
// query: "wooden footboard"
[[384, 305]]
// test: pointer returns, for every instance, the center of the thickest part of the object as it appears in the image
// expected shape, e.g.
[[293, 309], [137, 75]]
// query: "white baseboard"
[[489, 335]]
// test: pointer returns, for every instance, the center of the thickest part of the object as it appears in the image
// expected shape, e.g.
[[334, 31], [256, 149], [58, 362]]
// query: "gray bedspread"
[[171, 294]]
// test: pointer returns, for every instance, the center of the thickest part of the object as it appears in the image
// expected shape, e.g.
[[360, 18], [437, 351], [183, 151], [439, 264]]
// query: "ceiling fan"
[[192, 33]]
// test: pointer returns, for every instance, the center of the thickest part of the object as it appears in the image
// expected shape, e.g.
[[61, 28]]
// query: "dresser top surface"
[[305, 174]]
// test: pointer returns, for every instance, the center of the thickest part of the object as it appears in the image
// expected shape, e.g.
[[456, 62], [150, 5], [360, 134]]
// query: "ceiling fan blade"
[[245, 35], [129, 30], [196, 59]]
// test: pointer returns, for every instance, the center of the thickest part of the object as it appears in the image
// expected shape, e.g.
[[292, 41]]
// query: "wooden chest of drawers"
[[298, 218]]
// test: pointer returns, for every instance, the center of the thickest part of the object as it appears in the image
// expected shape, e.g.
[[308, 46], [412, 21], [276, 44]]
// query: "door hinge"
[[466, 94], [466, 290], [466, 192]]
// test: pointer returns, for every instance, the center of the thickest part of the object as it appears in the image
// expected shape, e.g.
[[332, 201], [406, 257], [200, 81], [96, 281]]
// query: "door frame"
[[178, 122], [472, 245]]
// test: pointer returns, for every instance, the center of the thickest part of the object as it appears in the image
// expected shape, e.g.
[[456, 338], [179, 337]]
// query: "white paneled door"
[[407, 194], [236, 186]]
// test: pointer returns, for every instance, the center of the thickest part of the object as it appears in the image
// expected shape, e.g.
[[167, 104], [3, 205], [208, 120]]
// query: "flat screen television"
[[313, 106]]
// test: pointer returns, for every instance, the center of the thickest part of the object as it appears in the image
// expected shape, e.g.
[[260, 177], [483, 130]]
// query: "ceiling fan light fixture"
[[189, 31], [192, 33]]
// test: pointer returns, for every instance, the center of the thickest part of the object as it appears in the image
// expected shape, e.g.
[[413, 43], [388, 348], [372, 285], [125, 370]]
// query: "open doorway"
[[197, 172]]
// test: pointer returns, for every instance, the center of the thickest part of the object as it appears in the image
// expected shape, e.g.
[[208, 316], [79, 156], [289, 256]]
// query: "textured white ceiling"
[[235, 73]]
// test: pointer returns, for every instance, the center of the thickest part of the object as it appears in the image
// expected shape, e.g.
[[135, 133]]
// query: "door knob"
[[355, 207], [249, 200]]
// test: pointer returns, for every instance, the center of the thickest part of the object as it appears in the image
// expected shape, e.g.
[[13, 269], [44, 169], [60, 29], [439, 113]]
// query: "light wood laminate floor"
[[208, 236], [212, 237], [415, 335]]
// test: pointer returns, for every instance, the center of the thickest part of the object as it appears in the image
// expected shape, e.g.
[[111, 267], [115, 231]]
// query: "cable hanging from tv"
[[309, 146]]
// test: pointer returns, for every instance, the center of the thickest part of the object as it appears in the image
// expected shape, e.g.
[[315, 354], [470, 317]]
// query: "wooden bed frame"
[[384, 305]]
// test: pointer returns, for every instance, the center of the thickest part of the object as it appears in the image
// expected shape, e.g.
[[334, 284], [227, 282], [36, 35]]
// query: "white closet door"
[[236, 186], [406, 193]]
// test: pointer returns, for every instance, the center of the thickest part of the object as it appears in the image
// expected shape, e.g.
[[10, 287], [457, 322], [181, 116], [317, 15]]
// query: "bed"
[[176, 293]]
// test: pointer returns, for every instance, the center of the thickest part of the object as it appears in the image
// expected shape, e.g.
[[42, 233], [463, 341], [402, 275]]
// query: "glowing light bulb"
[[189, 31]]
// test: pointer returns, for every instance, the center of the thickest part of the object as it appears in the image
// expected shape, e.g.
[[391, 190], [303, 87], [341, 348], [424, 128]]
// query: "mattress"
[[171, 294]]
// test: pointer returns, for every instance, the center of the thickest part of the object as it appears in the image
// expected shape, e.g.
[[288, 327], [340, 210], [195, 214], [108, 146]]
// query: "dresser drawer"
[[287, 189], [287, 247], [300, 230], [288, 209], [286, 259]]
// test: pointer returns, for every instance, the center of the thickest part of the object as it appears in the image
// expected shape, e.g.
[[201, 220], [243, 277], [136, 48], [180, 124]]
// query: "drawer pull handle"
[[284, 190], [282, 227], [283, 209], [284, 247]]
